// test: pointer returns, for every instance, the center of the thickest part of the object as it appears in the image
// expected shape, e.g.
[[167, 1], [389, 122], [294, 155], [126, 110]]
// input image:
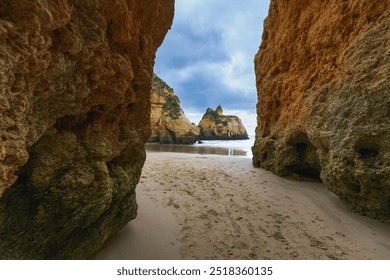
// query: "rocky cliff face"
[[216, 126], [324, 97], [74, 97], [169, 123]]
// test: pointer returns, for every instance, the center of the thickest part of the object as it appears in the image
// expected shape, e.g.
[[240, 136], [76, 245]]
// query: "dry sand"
[[220, 207]]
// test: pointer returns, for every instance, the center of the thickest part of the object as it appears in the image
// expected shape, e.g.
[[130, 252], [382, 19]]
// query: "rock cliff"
[[74, 96], [169, 123], [324, 96], [216, 126]]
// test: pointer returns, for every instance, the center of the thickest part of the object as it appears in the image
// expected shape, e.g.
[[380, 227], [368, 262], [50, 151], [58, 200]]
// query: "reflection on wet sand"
[[156, 147]]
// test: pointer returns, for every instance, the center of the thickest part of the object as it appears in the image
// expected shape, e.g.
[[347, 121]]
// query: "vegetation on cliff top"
[[214, 116], [172, 107], [158, 85], [172, 103]]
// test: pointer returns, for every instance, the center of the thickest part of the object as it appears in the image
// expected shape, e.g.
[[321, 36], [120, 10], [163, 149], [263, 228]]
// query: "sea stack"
[[323, 87], [169, 123], [216, 126]]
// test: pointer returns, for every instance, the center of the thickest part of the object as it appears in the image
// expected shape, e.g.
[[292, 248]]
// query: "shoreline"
[[221, 207]]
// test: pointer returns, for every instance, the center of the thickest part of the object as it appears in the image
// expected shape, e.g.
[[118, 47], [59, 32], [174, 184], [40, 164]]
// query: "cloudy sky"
[[207, 56]]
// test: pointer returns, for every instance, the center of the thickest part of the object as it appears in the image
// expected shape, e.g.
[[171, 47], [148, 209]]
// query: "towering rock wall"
[[75, 82], [169, 123], [323, 86]]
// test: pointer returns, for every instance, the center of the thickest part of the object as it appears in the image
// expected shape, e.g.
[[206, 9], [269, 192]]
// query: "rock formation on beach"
[[323, 86], [75, 89], [216, 126], [169, 123]]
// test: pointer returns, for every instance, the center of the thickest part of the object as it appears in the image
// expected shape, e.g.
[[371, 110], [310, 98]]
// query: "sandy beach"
[[220, 207]]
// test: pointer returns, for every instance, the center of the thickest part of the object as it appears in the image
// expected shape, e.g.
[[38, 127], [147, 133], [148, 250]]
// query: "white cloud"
[[234, 74]]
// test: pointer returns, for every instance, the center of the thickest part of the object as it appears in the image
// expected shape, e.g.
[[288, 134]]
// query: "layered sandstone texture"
[[74, 96], [323, 81], [216, 126], [168, 121]]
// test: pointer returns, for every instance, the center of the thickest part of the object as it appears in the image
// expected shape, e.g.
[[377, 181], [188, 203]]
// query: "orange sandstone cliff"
[[75, 82], [168, 121], [323, 107], [214, 125]]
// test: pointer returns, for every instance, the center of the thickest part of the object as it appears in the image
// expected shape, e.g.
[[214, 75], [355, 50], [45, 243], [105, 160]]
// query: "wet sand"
[[220, 207]]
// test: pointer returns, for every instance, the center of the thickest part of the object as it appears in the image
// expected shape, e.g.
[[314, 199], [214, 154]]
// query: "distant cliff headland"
[[216, 126], [171, 126], [169, 123]]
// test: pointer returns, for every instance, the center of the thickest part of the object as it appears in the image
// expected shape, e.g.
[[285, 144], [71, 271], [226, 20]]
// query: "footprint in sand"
[[340, 234], [227, 232]]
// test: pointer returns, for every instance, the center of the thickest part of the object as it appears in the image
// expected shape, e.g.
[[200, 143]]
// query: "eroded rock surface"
[[323, 85], [169, 123], [74, 96], [214, 125]]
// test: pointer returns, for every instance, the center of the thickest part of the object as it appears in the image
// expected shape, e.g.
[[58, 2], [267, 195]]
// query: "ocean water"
[[214, 147]]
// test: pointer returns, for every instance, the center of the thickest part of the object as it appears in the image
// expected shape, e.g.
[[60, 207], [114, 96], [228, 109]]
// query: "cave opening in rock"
[[306, 163], [301, 148], [306, 171], [366, 153], [355, 188]]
